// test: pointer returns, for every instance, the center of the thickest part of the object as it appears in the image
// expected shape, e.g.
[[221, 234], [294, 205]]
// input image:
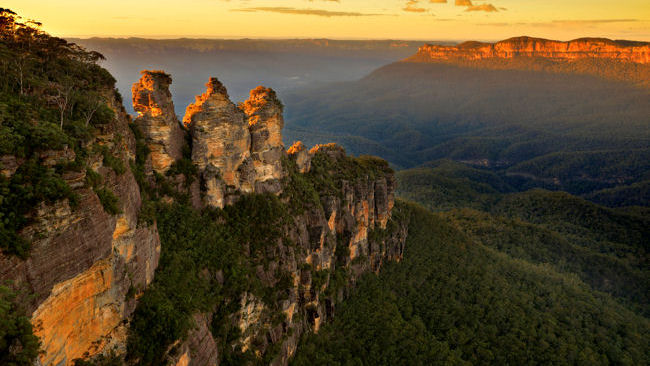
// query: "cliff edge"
[[582, 48]]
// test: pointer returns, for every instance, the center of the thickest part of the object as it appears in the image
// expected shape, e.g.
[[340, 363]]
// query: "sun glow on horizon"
[[341, 19]]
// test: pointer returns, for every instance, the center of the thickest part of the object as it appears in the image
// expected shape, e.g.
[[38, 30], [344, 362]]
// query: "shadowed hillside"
[[540, 128]]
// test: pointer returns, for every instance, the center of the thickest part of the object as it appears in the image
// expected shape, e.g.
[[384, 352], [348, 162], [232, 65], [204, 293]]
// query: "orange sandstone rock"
[[157, 119], [600, 48]]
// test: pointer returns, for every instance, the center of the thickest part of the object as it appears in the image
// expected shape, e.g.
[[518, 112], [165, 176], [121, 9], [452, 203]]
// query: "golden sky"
[[342, 19]]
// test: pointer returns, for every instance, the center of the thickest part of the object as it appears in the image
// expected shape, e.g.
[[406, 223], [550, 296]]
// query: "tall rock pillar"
[[157, 119]]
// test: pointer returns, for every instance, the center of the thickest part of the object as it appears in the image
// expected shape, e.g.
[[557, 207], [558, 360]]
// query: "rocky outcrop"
[[220, 145], [157, 119], [301, 156], [84, 261], [265, 122], [583, 48], [238, 149], [324, 248]]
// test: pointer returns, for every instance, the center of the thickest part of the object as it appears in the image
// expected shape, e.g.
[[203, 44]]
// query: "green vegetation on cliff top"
[[49, 100]]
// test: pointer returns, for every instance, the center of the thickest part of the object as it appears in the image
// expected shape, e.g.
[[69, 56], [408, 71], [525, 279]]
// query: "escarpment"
[[86, 265], [626, 61], [583, 48]]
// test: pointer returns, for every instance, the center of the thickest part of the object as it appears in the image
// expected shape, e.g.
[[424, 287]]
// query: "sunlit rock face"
[[265, 121], [157, 119], [299, 153], [220, 144], [583, 48], [238, 149]]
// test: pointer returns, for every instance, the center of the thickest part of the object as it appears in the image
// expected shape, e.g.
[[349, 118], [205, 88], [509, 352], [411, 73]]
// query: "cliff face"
[[323, 250], [338, 225], [157, 119], [584, 48], [83, 260], [220, 144], [237, 150]]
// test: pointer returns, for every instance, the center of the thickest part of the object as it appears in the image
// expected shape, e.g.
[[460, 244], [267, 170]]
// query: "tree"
[[93, 103], [63, 92], [18, 345]]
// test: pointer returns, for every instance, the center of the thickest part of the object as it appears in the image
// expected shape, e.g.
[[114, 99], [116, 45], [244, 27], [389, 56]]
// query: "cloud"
[[464, 3], [483, 7], [411, 6], [489, 8], [438, 1], [307, 11]]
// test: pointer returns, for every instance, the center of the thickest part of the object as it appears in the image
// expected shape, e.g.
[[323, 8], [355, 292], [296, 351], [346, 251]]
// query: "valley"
[[371, 203]]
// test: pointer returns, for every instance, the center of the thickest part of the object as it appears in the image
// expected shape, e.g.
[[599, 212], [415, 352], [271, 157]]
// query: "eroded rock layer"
[[157, 119], [91, 262], [238, 149], [583, 48]]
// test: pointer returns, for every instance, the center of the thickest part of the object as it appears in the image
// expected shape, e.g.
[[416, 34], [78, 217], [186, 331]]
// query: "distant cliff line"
[[582, 48]]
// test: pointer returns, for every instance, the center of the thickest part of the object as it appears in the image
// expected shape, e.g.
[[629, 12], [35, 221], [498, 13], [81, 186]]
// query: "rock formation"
[[237, 150], [265, 121], [583, 48], [299, 153], [157, 119], [220, 144]]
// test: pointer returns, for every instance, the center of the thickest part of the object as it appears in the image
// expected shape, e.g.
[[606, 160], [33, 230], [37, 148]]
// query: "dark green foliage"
[[448, 184], [185, 167], [606, 248], [470, 304], [299, 189], [209, 258], [331, 167], [109, 201], [110, 160], [196, 247], [47, 86], [637, 194], [18, 345], [31, 184]]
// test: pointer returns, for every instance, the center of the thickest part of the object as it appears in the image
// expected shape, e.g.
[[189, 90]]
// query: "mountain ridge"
[[524, 46]]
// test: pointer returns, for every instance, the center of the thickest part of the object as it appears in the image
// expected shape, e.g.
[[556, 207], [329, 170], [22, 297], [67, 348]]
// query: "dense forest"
[[457, 299], [606, 247]]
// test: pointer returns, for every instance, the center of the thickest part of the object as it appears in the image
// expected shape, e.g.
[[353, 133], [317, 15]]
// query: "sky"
[[341, 19]]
